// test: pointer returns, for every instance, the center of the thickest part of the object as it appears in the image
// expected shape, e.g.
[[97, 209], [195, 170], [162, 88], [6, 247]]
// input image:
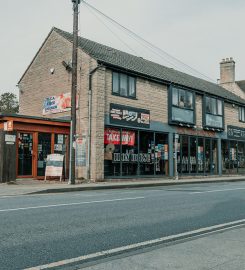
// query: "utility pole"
[[74, 93]]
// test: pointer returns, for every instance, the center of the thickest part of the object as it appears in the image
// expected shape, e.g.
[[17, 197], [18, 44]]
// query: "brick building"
[[145, 119]]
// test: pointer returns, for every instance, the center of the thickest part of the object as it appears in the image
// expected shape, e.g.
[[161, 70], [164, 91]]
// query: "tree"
[[9, 103]]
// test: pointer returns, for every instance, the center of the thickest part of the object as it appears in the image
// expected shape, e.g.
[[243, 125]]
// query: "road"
[[42, 229]]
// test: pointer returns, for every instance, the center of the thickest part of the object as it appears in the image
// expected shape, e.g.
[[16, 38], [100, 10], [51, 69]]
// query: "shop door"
[[25, 154], [44, 149]]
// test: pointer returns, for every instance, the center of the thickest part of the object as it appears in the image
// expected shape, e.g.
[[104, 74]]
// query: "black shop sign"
[[125, 115], [235, 133]]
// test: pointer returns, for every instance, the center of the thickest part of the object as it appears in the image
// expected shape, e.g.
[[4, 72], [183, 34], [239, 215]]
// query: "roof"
[[119, 59], [241, 84], [4, 116]]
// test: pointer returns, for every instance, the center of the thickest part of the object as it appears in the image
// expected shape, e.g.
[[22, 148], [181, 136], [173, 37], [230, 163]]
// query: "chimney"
[[227, 71]]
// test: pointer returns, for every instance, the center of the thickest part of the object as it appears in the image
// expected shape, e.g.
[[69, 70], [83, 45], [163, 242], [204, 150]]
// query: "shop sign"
[[10, 139], [57, 104], [129, 116], [112, 136], [235, 133], [128, 157], [54, 165], [8, 126]]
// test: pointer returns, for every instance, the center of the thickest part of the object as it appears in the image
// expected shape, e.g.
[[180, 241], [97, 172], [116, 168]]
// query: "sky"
[[198, 33]]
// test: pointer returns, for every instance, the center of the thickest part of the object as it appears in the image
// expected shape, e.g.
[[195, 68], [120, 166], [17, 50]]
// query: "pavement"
[[31, 186], [220, 251]]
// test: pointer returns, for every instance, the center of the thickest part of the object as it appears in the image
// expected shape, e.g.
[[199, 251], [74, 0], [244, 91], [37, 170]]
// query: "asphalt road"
[[41, 229]]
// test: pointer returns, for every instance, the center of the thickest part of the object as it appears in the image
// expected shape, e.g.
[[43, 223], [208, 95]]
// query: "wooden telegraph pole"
[[74, 93]]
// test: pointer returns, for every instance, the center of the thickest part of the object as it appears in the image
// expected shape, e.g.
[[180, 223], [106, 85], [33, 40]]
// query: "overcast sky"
[[197, 32]]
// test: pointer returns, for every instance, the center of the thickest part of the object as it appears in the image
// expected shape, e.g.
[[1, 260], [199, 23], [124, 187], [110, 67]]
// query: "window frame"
[[242, 114], [205, 126], [119, 82], [171, 105]]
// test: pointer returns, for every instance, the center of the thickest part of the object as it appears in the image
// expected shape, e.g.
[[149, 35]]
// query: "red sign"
[[112, 136]]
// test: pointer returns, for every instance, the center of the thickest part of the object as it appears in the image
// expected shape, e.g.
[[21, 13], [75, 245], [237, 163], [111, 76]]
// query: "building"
[[25, 142], [145, 119]]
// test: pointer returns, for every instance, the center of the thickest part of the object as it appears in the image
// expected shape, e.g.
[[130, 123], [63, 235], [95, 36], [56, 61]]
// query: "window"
[[182, 106], [242, 114], [213, 113], [123, 85]]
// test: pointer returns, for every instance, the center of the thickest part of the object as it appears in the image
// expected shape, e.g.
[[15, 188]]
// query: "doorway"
[[25, 154]]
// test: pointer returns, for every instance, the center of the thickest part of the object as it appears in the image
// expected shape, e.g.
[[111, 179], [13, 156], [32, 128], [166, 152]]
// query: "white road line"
[[68, 204], [202, 231], [217, 190]]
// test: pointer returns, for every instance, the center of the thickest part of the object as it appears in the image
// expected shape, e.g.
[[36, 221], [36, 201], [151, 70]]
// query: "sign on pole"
[[54, 165]]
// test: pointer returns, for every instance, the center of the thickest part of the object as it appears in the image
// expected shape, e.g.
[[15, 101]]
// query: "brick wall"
[[38, 83]]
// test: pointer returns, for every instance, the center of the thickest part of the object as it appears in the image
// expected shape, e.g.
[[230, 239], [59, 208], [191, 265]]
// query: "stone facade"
[[38, 83]]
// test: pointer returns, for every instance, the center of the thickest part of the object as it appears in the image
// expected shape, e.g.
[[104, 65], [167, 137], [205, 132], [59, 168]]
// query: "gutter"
[[91, 73]]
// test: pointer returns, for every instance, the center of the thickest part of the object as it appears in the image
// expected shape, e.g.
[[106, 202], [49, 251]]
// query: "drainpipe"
[[90, 121]]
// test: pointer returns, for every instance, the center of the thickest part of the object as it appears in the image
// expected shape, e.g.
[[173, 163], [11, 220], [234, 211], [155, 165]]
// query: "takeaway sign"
[[112, 136]]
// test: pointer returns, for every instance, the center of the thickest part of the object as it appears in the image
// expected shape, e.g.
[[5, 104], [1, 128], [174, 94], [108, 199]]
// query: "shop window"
[[185, 154], [200, 155], [207, 155], [123, 85], [241, 157], [214, 153], [129, 156], [193, 154], [242, 114], [146, 153], [225, 156], [214, 117], [161, 154], [112, 157], [133, 152], [182, 106], [233, 157]]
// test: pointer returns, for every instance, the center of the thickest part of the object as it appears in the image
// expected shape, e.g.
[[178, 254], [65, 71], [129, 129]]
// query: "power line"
[[113, 32], [152, 46]]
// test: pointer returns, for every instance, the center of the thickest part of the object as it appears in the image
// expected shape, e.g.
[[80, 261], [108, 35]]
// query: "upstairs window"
[[182, 107], [214, 117], [242, 114], [123, 85]]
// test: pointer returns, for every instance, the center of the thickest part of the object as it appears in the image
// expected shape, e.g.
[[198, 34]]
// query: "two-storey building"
[[137, 118]]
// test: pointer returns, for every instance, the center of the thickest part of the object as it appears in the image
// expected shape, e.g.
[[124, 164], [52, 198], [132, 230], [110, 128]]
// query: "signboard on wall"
[[57, 104], [125, 115], [236, 133]]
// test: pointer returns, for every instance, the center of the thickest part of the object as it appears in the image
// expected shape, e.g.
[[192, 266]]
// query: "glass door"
[[44, 149], [25, 154]]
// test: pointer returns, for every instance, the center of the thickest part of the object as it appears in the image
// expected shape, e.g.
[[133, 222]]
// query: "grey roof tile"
[[123, 60]]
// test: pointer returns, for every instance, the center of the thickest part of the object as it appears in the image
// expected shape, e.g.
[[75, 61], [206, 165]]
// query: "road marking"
[[217, 190], [115, 251], [68, 204]]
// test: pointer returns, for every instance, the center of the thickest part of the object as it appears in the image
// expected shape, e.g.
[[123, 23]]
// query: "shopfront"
[[233, 151], [196, 155], [35, 139], [132, 152]]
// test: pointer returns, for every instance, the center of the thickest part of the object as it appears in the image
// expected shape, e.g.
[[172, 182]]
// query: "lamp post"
[[74, 93]]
